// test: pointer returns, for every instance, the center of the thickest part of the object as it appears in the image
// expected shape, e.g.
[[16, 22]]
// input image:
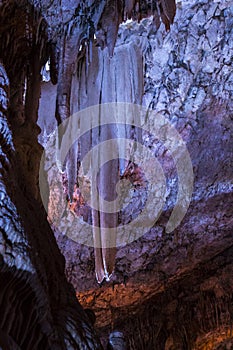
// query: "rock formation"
[[168, 290], [161, 278]]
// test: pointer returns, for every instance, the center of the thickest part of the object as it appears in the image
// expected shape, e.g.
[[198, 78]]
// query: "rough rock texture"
[[170, 289]]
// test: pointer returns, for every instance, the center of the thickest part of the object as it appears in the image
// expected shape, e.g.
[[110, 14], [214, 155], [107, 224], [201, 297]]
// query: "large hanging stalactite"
[[104, 22], [107, 80], [102, 19]]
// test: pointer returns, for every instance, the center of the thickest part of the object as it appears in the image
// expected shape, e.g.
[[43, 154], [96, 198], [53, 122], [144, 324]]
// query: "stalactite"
[[109, 23], [71, 169], [90, 51], [67, 59], [53, 63], [167, 12], [33, 89], [129, 6], [112, 84]]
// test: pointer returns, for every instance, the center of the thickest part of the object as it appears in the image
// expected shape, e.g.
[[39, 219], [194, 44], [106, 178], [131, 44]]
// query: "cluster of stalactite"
[[101, 20], [96, 23], [84, 38]]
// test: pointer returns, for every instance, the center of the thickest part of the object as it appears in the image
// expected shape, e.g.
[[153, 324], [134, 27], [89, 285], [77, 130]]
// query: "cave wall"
[[154, 296]]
